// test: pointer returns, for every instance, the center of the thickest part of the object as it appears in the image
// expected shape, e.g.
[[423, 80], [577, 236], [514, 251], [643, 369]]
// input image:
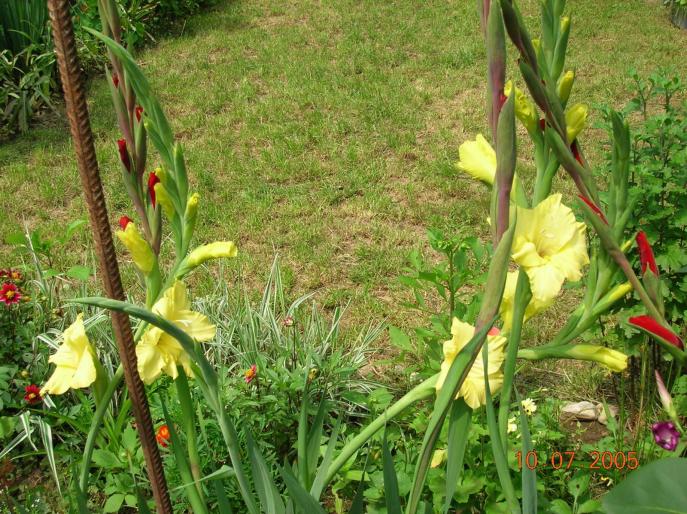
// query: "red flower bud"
[[576, 152], [646, 254], [542, 124], [124, 154], [139, 112], [493, 331], [593, 207], [652, 326], [115, 79], [124, 221], [152, 180]]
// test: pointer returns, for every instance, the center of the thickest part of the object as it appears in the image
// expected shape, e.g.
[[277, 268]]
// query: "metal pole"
[[77, 112]]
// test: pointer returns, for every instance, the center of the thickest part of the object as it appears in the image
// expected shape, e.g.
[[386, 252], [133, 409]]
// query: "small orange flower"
[[162, 436], [250, 374]]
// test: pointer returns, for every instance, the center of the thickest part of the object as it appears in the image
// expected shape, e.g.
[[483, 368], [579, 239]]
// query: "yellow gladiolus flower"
[[473, 390], [525, 110], [575, 121], [74, 361], [140, 250], [550, 246], [159, 352], [533, 308], [478, 158], [565, 84]]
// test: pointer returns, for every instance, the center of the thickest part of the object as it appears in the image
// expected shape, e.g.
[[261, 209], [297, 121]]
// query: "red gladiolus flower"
[[576, 152], [139, 112], [115, 79], [152, 180], [9, 294], [652, 326], [646, 254], [162, 436], [33, 394], [124, 221], [593, 207], [250, 374], [542, 124], [124, 154]]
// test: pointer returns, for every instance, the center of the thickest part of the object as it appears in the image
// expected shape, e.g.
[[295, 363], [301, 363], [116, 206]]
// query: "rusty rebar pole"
[[77, 112]]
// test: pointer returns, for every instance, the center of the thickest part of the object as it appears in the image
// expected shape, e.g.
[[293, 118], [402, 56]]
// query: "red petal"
[[646, 254], [124, 221], [654, 327], [593, 207], [124, 154], [152, 180], [139, 112]]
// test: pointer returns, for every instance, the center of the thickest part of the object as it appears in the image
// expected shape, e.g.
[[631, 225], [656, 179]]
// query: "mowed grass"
[[327, 132]]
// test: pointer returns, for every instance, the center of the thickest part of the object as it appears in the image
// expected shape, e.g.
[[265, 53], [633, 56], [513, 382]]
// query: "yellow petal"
[[575, 120], [478, 159], [163, 198], [565, 84], [217, 250], [196, 325], [140, 251]]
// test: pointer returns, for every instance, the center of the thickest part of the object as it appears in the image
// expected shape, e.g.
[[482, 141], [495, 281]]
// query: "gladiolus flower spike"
[[646, 254], [124, 222], [653, 327]]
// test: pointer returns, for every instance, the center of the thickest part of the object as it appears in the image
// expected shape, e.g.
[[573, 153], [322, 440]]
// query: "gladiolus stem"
[[420, 392], [95, 427], [189, 426], [521, 299]]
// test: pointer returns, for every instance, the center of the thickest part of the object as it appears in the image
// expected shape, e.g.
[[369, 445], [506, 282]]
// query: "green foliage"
[[659, 175]]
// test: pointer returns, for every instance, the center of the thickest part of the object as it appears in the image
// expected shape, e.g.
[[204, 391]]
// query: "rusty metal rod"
[[77, 112]]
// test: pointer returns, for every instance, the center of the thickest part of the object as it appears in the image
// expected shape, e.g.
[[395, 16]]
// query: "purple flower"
[[666, 435]]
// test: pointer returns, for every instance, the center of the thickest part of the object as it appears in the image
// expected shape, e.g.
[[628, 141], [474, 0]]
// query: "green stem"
[[189, 426], [419, 392], [520, 300], [96, 423]]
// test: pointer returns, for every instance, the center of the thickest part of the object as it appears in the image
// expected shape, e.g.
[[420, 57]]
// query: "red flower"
[[115, 79], [33, 394], [124, 154], [124, 221], [15, 275], [493, 331], [4, 273], [139, 112], [542, 124], [646, 254], [162, 436], [250, 374], [652, 326], [9, 293], [593, 207], [152, 180]]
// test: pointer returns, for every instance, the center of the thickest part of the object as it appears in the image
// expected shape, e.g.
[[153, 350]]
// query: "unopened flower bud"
[[565, 84], [124, 154], [575, 120], [140, 250]]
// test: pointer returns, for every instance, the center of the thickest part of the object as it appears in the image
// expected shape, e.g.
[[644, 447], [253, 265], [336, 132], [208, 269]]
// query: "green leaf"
[[391, 495], [529, 476], [656, 487], [114, 503], [298, 494], [578, 485], [400, 339], [559, 507], [318, 483], [589, 506], [264, 484], [106, 459], [79, 272], [458, 431]]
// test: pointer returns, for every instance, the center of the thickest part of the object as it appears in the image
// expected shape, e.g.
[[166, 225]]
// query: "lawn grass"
[[327, 132]]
